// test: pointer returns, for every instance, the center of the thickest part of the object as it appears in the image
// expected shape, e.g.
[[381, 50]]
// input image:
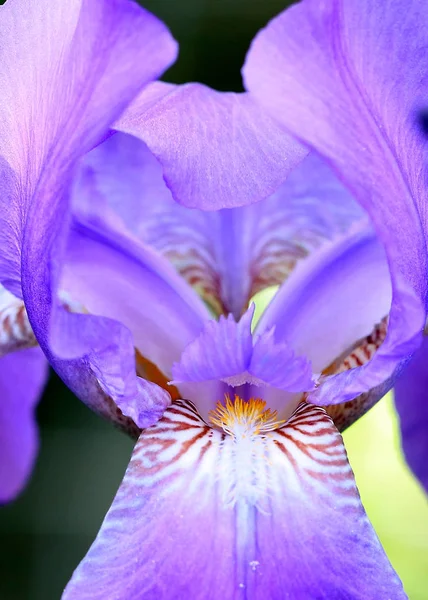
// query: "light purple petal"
[[277, 365], [227, 255], [411, 401], [222, 350], [23, 375], [139, 302], [217, 150], [332, 299], [195, 518], [67, 71], [225, 351], [346, 78], [115, 276], [121, 177], [311, 208]]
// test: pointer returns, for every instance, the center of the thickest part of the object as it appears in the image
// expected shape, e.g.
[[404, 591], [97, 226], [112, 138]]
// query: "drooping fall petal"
[[200, 516]]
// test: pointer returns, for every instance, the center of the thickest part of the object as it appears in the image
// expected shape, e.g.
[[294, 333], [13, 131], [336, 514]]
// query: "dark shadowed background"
[[82, 459]]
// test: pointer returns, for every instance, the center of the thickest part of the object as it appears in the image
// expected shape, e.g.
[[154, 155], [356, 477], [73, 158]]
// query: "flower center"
[[244, 419]]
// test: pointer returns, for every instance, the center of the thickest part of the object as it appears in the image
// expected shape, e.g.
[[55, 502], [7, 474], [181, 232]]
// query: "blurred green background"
[[82, 459]]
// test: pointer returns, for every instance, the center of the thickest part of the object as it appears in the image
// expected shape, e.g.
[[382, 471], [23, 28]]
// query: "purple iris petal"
[[327, 73], [202, 137], [22, 377], [226, 351], [227, 255], [67, 72], [411, 400], [206, 516], [115, 276], [332, 299]]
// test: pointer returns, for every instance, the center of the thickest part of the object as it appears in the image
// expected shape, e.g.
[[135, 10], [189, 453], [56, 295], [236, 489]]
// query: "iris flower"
[[239, 485]]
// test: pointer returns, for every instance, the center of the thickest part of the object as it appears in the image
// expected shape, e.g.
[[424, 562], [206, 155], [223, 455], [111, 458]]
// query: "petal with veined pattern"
[[199, 517]]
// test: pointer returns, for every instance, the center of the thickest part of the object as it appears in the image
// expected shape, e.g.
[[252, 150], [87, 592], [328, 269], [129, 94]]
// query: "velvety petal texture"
[[203, 515], [411, 400], [346, 77], [23, 375], [202, 137], [67, 71]]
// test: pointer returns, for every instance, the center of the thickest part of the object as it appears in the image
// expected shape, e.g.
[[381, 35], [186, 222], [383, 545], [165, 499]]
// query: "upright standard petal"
[[227, 255], [217, 150], [411, 400], [207, 516], [22, 377], [346, 78], [67, 71]]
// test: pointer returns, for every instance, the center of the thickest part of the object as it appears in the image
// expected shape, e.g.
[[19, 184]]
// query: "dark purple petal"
[[67, 71], [411, 401], [226, 351], [22, 377], [346, 78], [217, 150], [196, 518]]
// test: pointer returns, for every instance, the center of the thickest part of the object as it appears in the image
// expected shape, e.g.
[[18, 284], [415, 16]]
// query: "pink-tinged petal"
[[411, 401], [226, 351], [67, 71], [23, 375], [217, 150], [198, 517], [346, 77]]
